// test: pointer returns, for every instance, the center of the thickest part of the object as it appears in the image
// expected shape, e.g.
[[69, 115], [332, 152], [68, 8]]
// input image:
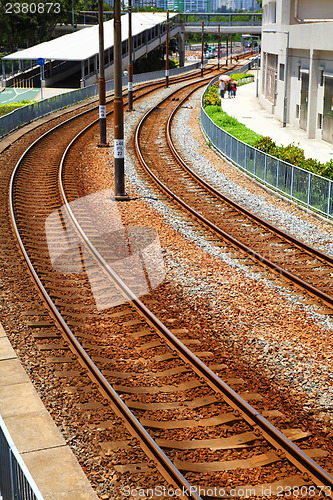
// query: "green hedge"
[[238, 77], [291, 153]]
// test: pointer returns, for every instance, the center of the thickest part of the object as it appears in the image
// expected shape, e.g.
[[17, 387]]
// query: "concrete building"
[[250, 5], [297, 64], [229, 4]]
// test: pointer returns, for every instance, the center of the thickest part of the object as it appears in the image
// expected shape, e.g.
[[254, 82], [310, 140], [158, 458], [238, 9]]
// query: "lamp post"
[[285, 97], [257, 79]]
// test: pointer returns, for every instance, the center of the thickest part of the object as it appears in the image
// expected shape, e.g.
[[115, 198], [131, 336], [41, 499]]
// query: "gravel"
[[293, 350]]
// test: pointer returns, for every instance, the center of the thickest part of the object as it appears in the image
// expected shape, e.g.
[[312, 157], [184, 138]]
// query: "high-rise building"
[[228, 4], [250, 5]]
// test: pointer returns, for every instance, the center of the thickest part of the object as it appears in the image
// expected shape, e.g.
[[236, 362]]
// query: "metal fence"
[[31, 112], [16, 482], [302, 186]]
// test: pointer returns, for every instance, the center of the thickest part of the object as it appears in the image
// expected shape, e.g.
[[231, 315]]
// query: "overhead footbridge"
[[226, 24], [78, 52]]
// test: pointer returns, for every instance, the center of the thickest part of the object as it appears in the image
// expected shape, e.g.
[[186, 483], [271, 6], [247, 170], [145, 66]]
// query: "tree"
[[31, 22]]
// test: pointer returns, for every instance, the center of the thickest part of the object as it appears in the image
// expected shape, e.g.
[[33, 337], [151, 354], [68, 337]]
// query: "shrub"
[[8, 108], [266, 144], [312, 165], [173, 63], [291, 154], [211, 97], [326, 170], [240, 76]]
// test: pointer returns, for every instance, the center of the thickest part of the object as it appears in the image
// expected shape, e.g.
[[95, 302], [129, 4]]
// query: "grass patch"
[[231, 125], [8, 108], [291, 154]]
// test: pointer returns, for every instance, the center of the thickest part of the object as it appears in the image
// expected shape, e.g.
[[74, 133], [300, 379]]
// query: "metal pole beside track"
[[202, 46], [119, 171], [167, 53], [218, 47], [101, 80], [130, 58]]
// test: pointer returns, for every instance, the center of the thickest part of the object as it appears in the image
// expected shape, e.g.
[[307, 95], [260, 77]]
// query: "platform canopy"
[[83, 44]]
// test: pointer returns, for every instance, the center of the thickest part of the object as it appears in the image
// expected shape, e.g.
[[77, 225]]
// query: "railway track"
[[261, 241], [112, 339], [285, 255]]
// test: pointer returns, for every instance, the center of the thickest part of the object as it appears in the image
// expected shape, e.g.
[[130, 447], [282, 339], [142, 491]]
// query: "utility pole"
[[202, 46], [119, 173], [227, 55], [218, 47], [230, 49], [167, 53], [130, 58], [101, 79], [73, 16]]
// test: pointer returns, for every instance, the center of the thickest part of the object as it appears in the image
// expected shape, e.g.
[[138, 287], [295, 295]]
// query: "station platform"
[[14, 95], [246, 109], [49, 459]]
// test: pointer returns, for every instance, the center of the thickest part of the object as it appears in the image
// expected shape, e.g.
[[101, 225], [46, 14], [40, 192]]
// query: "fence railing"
[[31, 112], [16, 482], [311, 190]]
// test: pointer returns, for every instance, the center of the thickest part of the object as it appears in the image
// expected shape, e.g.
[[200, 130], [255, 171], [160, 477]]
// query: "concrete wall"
[[310, 56]]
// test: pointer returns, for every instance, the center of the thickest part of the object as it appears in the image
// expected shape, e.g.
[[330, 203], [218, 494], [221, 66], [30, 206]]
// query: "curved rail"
[[273, 436], [153, 451]]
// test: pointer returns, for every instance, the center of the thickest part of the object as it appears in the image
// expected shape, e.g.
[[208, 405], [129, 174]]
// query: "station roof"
[[84, 43]]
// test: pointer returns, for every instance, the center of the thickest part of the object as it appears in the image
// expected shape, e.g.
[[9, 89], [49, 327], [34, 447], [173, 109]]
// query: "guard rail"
[[15, 479], [31, 112], [309, 189]]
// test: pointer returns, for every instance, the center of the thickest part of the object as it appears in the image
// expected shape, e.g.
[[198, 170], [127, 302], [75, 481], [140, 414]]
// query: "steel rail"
[[164, 465], [273, 435], [152, 450], [303, 246], [328, 299]]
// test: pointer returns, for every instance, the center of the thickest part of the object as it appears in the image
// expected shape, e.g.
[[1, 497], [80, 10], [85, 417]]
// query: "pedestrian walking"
[[228, 89], [233, 86], [222, 88]]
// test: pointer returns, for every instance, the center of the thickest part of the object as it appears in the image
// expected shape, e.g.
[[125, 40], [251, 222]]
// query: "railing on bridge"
[[189, 18], [213, 19]]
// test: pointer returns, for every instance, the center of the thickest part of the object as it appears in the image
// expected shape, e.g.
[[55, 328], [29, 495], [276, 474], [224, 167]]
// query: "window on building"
[[272, 12], [271, 77], [321, 77], [281, 72], [320, 120], [297, 110], [299, 72]]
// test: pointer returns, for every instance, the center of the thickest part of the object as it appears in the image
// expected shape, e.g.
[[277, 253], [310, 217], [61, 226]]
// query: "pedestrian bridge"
[[227, 24], [77, 53]]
